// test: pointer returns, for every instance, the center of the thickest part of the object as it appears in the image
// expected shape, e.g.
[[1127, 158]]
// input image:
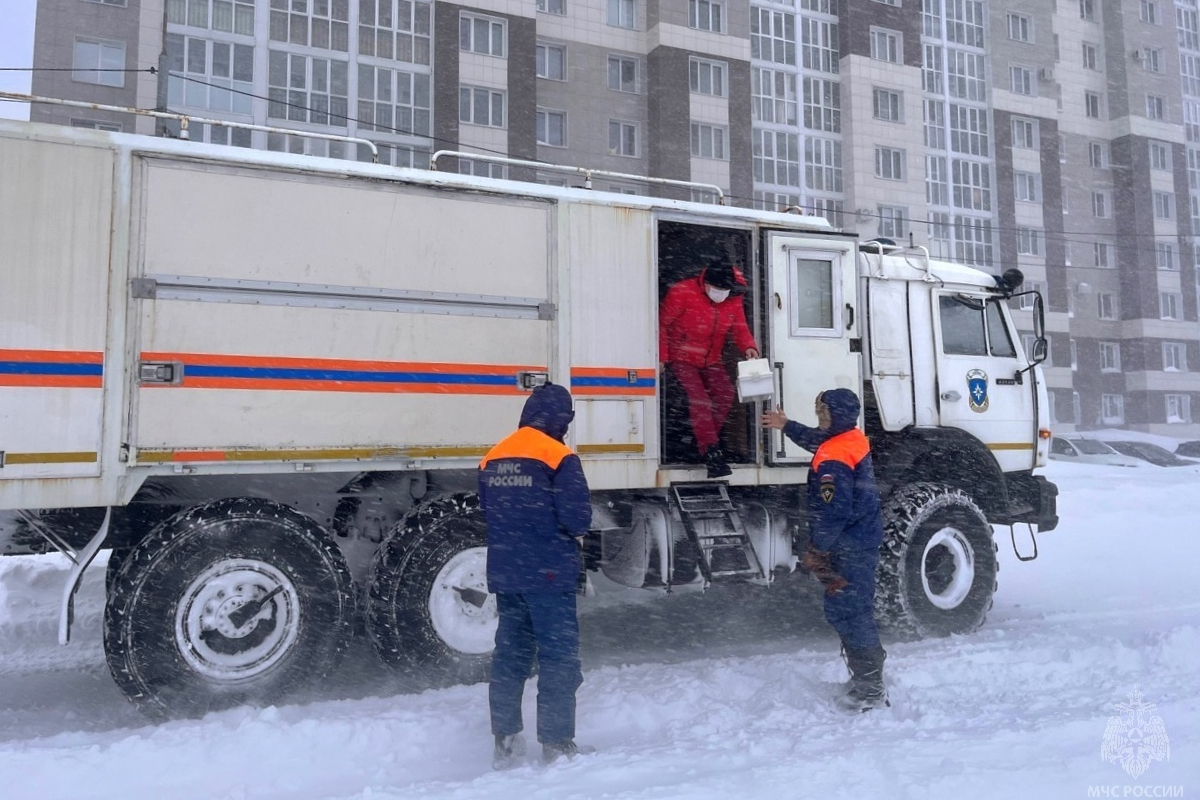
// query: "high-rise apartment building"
[[1058, 136]]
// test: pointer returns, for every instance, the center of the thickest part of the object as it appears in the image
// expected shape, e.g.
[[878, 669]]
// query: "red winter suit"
[[692, 332]]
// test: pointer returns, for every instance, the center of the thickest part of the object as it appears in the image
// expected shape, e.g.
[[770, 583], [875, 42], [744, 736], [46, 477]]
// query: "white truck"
[[265, 382]]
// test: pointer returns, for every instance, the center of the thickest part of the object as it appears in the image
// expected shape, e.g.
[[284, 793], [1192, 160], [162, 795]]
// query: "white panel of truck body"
[[56, 215], [287, 382], [613, 333], [810, 277], [890, 350]]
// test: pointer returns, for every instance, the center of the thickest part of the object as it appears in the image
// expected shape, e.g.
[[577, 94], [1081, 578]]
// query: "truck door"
[[981, 389], [56, 211], [811, 319]]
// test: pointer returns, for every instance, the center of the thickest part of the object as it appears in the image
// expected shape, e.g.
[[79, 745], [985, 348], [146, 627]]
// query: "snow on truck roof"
[[189, 149]]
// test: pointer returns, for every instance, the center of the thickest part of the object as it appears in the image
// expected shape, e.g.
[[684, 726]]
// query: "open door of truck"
[[812, 321]]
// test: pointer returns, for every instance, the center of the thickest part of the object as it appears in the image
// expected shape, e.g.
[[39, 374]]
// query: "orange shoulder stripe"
[[529, 443], [849, 448]]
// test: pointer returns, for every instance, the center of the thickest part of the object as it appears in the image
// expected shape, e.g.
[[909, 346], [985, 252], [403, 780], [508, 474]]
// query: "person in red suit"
[[698, 316]]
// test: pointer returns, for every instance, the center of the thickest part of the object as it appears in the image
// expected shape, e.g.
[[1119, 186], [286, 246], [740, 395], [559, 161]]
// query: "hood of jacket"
[[843, 408], [549, 410]]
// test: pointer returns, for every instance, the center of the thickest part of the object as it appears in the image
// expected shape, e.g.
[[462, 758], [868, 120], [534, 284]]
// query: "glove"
[[817, 562]]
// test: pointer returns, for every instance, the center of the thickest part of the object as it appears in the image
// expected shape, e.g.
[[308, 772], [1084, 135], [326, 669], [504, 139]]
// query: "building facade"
[[1060, 137]]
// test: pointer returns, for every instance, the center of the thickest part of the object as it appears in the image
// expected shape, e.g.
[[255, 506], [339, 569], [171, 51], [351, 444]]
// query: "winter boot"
[[553, 751], [717, 468], [865, 690], [509, 750]]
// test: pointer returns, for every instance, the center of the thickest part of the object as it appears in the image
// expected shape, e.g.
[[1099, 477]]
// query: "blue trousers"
[[851, 611], [541, 629]]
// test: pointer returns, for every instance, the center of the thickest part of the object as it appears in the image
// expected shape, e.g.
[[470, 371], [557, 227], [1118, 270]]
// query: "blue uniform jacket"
[[536, 501], [843, 497]]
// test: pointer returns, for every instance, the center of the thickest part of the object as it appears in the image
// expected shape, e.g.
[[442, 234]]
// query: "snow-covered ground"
[[702, 696]]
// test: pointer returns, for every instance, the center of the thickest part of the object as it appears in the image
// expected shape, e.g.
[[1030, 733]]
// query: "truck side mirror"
[[1041, 349]]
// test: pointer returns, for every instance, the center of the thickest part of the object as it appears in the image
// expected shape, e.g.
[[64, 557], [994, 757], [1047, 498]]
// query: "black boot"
[[865, 690], [717, 468]]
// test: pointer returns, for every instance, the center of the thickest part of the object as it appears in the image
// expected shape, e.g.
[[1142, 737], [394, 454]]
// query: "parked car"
[[1159, 456], [1188, 449], [1088, 451]]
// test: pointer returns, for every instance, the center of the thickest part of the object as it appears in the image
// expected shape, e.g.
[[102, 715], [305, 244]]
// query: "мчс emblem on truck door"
[[977, 388]]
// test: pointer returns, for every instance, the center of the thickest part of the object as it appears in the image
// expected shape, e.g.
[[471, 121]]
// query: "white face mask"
[[715, 294]]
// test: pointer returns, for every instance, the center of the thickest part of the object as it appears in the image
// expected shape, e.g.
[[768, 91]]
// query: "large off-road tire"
[[175, 638], [429, 611], [937, 567]]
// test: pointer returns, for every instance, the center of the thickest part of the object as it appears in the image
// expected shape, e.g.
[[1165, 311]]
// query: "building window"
[[1112, 409], [937, 183], [773, 96], [776, 157], [552, 61], [1102, 255], [1160, 156], [229, 17], [552, 6], [772, 36], [885, 45], [307, 89], [895, 3], [99, 61], [401, 32], [1179, 408], [706, 77], [819, 45], [1025, 133], [1152, 60], [482, 35], [1091, 104], [893, 222], [1026, 301], [1020, 28], [889, 163], [1027, 188], [1029, 242], [393, 101], [481, 169], [1110, 357], [1074, 355], [706, 15], [96, 125], [1164, 205], [708, 141], [1148, 12], [1174, 357], [622, 138], [1098, 155], [1089, 56], [887, 105], [1169, 304], [551, 127], [217, 68], [481, 106], [969, 130], [1102, 204], [622, 13], [324, 25], [972, 182], [822, 164], [1156, 107], [1087, 10], [1165, 257], [622, 74], [1106, 305], [822, 105], [1021, 80]]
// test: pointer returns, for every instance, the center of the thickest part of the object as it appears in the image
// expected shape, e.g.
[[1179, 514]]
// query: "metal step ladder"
[[725, 550]]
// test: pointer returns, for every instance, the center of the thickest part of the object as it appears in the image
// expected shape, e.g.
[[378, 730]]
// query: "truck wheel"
[[238, 601], [937, 568], [429, 610]]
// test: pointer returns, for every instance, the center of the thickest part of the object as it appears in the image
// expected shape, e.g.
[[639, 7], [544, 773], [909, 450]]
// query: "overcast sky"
[[16, 50]]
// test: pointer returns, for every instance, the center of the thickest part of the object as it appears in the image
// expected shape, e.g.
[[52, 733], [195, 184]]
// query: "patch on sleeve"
[[827, 489]]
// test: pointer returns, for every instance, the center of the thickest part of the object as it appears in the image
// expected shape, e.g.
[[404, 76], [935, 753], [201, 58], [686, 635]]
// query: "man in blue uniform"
[[846, 532], [537, 505]]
